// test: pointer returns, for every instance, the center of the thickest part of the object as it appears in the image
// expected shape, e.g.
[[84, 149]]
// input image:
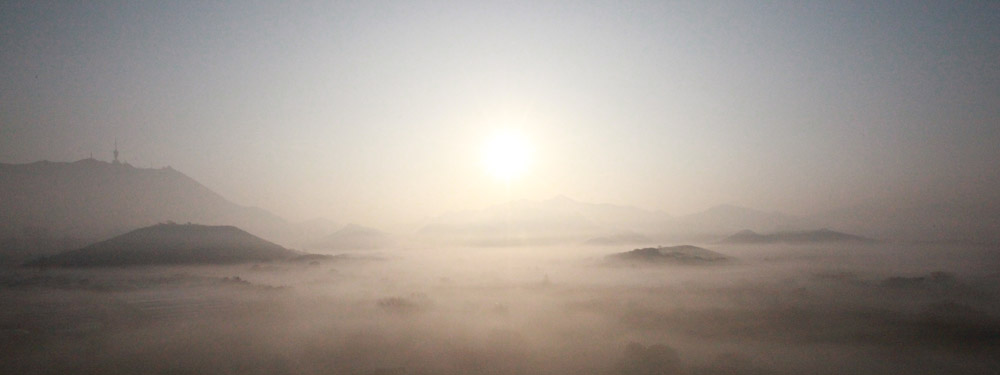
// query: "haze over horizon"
[[518, 187], [381, 112]]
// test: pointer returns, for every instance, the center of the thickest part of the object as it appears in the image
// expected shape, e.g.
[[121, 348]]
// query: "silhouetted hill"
[[355, 237], [89, 200], [164, 244], [798, 237], [683, 254]]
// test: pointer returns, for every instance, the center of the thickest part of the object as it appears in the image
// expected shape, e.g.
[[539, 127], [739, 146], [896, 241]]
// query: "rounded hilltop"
[[166, 244], [683, 254]]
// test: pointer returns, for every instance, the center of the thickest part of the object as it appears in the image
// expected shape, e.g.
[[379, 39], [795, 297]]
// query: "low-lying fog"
[[867, 309]]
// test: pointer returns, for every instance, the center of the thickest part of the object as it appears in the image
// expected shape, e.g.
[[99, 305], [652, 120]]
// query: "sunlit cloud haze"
[[516, 187], [378, 112]]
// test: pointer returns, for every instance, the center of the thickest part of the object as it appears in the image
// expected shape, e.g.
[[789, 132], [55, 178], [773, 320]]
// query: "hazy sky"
[[378, 112]]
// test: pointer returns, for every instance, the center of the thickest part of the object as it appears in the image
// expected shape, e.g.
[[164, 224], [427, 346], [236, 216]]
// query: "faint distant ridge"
[[172, 244], [527, 222], [355, 237], [622, 238], [728, 218], [683, 254], [793, 237]]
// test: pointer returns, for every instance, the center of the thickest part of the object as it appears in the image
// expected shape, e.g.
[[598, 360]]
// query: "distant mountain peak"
[[355, 237], [91, 199]]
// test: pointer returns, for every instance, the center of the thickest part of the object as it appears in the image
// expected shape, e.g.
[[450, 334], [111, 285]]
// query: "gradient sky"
[[376, 112]]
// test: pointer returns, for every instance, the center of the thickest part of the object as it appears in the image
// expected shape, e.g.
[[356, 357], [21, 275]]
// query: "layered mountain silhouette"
[[683, 254], [52, 206], [729, 218], [355, 237], [525, 222], [563, 220], [84, 201], [167, 244], [605, 215], [793, 237]]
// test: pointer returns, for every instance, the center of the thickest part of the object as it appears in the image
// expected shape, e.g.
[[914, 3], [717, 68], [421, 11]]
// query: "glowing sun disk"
[[506, 156]]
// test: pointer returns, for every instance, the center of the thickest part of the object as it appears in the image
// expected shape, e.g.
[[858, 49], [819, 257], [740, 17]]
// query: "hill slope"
[[355, 237], [89, 200], [172, 244]]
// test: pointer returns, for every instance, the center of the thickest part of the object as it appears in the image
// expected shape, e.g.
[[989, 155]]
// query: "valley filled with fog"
[[516, 187], [427, 309]]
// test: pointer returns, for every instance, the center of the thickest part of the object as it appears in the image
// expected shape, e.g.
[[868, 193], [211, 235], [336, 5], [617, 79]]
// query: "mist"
[[418, 187], [773, 310]]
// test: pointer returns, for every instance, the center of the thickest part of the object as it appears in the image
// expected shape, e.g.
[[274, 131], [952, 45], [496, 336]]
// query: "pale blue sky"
[[376, 111]]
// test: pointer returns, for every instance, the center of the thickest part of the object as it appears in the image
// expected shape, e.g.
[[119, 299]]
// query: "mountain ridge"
[[561, 219], [90, 199], [354, 237], [824, 235]]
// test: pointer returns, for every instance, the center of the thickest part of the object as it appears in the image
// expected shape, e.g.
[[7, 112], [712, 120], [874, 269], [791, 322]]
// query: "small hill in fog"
[[355, 237], [797, 237], [683, 254], [165, 244]]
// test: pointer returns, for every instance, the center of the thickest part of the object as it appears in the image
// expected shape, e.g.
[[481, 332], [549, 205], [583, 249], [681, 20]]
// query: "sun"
[[506, 155]]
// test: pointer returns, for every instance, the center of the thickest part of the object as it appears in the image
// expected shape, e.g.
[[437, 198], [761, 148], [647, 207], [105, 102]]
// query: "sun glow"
[[506, 155]]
